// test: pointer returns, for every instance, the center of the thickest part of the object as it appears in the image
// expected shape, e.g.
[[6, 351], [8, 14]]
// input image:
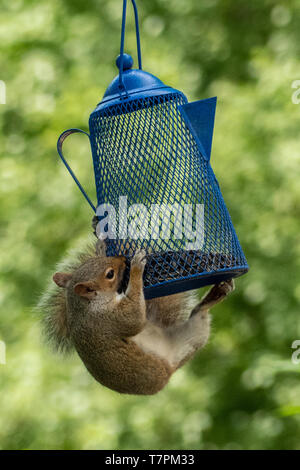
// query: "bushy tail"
[[54, 319], [52, 304]]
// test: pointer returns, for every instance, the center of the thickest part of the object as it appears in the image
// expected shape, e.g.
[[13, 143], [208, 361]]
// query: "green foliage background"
[[242, 391]]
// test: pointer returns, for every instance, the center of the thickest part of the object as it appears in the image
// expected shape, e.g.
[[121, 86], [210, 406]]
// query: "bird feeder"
[[151, 153]]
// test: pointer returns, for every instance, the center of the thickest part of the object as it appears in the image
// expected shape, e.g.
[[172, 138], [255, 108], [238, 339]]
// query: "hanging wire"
[[138, 42]]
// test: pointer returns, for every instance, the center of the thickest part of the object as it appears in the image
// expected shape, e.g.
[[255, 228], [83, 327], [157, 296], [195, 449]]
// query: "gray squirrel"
[[127, 343]]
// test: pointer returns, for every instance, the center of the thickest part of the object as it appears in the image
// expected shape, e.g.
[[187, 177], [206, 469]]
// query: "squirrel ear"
[[62, 279], [85, 289]]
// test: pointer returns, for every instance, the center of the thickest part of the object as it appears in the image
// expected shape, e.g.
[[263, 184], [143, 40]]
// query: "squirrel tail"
[[54, 320]]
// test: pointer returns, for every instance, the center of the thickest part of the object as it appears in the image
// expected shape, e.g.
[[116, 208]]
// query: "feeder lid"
[[136, 84]]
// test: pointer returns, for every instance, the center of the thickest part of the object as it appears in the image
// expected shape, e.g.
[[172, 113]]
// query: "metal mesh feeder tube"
[[151, 152]]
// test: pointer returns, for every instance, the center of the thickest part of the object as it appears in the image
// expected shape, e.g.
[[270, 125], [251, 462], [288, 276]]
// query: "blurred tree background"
[[242, 391]]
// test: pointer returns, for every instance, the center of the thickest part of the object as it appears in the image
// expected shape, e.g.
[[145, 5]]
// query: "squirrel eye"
[[110, 274]]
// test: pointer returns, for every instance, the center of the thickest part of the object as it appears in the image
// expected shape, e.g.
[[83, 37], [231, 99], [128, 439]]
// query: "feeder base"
[[200, 280]]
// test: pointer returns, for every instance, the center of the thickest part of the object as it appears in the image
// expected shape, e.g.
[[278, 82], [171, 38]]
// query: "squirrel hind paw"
[[227, 286]]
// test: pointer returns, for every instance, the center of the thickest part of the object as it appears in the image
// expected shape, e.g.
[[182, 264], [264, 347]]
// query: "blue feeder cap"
[[136, 84]]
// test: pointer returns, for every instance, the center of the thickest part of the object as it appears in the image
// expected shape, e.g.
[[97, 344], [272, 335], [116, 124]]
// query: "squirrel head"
[[83, 297], [96, 276]]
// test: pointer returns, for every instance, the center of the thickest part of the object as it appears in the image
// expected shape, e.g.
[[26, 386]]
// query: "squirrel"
[[128, 344]]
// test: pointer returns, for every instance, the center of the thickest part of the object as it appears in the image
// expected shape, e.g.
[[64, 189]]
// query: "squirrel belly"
[[126, 368]]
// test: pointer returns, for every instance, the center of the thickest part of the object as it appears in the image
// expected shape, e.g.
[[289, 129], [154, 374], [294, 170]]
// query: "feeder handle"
[[60, 142], [138, 41]]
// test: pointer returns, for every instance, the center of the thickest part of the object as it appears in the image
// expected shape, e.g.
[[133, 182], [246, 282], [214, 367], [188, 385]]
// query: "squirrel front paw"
[[139, 260]]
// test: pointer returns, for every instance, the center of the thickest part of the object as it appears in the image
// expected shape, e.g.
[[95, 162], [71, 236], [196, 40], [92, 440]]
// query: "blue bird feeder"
[[151, 153]]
